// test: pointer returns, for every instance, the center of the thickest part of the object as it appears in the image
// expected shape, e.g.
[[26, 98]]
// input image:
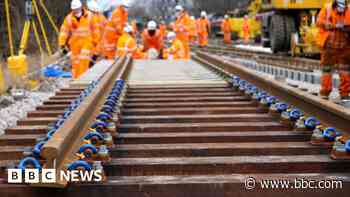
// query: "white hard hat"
[[226, 16], [193, 18], [93, 6], [171, 35], [203, 14], [128, 29], [76, 4], [152, 25], [125, 3], [179, 8]]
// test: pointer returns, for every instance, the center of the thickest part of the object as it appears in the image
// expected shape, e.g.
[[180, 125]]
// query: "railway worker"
[[182, 28], [162, 29], [152, 39], [226, 29], [98, 23], [193, 30], [76, 34], [114, 29], [334, 40], [203, 26], [126, 43], [246, 29], [177, 50]]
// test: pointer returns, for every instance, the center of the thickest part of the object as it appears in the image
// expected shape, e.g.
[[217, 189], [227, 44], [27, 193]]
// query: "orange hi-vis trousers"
[[332, 59]]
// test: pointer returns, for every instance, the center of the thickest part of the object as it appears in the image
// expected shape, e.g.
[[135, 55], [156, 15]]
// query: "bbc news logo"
[[50, 176]]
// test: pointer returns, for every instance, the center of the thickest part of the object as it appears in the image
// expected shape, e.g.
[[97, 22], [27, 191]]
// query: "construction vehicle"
[[290, 25], [237, 19]]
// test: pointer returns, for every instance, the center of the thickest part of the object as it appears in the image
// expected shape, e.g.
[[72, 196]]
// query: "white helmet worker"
[[128, 29], [152, 25], [179, 8], [203, 14], [93, 6], [76, 4], [125, 3], [171, 36]]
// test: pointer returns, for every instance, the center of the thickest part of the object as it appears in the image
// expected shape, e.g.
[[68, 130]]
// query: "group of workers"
[[89, 35]]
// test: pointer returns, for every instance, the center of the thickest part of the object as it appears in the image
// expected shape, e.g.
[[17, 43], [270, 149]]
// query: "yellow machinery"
[[17, 64], [289, 25], [254, 24]]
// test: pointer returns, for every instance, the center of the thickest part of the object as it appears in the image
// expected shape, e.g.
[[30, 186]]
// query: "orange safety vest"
[[176, 51], [155, 41], [162, 30], [225, 26], [203, 26], [182, 27], [98, 22], [119, 19], [193, 28], [328, 15], [126, 45], [74, 32]]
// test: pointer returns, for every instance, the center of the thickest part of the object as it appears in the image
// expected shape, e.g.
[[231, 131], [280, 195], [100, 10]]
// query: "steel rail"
[[61, 148], [301, 64], [327, 112]]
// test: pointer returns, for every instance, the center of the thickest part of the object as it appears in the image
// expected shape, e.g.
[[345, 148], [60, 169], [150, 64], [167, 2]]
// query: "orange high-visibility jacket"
[[155, 41], [182, 27], [176, 51], [114, 30], [119, 19], [162, 30], [329, 15], [203, 26], [246, 26], [225, 26], [193, 28], [74, 32], [126, 45], [98, 22]]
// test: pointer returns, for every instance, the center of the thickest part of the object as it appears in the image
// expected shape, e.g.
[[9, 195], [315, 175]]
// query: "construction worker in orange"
[[152, 40], [76, 35], [203, 26], [162, 29], [182, 28], [114, 29], [177, 50], [334, 41], [98, 24], [226, 29], [126, 43], [246, 29], [193, 31]]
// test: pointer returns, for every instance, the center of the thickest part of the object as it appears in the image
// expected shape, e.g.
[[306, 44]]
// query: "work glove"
[[328, 26], [63, 50]]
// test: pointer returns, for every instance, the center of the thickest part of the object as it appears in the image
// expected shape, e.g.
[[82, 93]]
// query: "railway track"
[[181, 137], [278, 60]]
